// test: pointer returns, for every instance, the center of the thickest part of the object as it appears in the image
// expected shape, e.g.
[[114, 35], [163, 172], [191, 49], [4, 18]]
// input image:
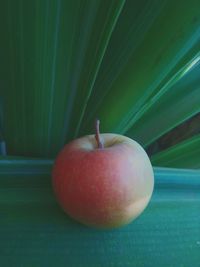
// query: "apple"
[[103, 181]]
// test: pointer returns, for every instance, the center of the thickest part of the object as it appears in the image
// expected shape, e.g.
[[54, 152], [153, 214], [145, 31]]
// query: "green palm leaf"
[[52, 51], [165, 49], [67, 62], [178, 101], [186, 153]]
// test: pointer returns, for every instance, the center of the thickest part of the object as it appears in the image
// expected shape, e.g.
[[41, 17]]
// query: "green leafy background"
[[135, 65]]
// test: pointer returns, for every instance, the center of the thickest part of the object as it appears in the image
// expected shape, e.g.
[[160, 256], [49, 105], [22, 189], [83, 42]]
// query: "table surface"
[[35, 232]]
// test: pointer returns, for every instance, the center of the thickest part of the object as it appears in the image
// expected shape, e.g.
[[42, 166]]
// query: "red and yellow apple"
[[103, 181]]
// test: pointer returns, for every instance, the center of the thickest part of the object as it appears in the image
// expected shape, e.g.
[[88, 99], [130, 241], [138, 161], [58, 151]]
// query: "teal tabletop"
[[35, 232]]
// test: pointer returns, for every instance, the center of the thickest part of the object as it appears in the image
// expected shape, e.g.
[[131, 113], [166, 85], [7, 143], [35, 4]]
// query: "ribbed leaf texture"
[[186, 152], [133, 64], [178, 101]]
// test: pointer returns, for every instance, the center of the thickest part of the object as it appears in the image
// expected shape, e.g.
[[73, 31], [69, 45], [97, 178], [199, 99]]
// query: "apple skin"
[[103, 187]]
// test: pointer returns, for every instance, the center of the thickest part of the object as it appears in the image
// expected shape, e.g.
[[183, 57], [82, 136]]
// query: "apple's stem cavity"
[[97, 136]]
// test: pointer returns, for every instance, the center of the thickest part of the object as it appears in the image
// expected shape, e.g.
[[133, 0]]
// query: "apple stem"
[[97, 136]]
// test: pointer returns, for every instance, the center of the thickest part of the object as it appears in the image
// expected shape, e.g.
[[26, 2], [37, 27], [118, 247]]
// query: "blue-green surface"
[[34, 231]]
